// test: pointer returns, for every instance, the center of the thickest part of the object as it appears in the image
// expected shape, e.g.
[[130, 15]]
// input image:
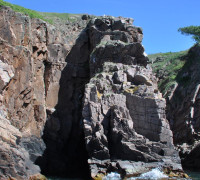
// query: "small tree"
[[191, 30]]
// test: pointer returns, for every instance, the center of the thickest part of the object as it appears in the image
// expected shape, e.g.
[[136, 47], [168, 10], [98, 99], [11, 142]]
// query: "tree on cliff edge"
[[191, 30]]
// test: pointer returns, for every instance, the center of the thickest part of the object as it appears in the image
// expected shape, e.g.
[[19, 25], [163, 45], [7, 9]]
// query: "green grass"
[[167, 65], [173, 60], [181, 68], [59, 15], [48, 17], [172, 68], [62, 16], [29, 12]]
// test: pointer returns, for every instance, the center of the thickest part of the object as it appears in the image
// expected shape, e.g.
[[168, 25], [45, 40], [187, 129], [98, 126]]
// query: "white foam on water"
[[112, 176], [154, 174]]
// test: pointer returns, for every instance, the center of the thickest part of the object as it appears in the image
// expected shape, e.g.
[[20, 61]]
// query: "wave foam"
[[154, 174], [112, 176]]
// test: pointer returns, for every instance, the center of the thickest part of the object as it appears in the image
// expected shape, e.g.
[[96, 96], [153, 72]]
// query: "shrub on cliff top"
[[191, 30]]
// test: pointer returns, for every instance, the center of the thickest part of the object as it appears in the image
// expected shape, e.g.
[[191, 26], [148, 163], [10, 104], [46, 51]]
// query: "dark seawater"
[[57, 178], [194, 175]]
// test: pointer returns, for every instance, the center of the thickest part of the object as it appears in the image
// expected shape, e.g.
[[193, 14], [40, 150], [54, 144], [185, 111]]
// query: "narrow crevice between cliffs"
[[65, 154], [47, 69]]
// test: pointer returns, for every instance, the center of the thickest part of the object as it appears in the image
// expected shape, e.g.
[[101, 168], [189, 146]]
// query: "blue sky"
[[159, 19]]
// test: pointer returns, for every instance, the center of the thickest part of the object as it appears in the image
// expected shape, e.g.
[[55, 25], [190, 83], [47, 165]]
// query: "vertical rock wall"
[[183, 110], [32, 55], [124, 113]]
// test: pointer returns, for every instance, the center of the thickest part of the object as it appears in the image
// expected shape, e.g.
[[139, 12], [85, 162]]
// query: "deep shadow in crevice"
[[65, 154]]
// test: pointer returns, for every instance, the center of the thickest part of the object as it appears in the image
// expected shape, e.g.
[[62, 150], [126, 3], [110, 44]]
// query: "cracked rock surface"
[[123, 111]]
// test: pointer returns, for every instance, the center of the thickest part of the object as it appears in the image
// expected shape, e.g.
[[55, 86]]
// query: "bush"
[[191, 30]]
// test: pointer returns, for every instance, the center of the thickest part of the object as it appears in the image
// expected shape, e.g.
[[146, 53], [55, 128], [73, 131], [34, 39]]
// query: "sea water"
[[154, 174], [194, 175]]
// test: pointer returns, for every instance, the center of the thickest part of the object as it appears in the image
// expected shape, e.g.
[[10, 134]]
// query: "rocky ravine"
[[95, 103]]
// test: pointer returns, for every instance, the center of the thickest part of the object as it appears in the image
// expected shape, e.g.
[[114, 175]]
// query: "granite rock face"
[[123, 111], [31, 60], [67, 103]]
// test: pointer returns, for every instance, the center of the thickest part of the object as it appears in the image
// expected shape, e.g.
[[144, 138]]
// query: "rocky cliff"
[[183, 103], [33, 56], [88, 103], [123, 111]]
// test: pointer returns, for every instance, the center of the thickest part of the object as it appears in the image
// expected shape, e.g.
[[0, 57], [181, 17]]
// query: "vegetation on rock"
[[53, 18], [191, 30], [166, 66], [182, 92], [29, 12], [172, 68], [48, 17]]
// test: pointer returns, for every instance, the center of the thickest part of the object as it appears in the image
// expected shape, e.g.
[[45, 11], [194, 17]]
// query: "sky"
[[159, 19]]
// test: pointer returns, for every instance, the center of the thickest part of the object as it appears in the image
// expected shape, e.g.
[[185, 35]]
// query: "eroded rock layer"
[[123, 111]]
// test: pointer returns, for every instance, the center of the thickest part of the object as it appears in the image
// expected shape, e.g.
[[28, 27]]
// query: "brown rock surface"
[[31, 60]]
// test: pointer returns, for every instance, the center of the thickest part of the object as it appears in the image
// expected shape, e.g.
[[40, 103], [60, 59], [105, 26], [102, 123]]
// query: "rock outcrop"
[[124, 113], [183, 110], [182, 98], [88, 104]]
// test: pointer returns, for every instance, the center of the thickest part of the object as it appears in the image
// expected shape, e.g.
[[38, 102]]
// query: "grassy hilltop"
[[48, 17]]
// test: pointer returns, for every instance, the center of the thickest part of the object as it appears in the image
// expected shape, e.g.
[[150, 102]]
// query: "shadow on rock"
[[65, 154]]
